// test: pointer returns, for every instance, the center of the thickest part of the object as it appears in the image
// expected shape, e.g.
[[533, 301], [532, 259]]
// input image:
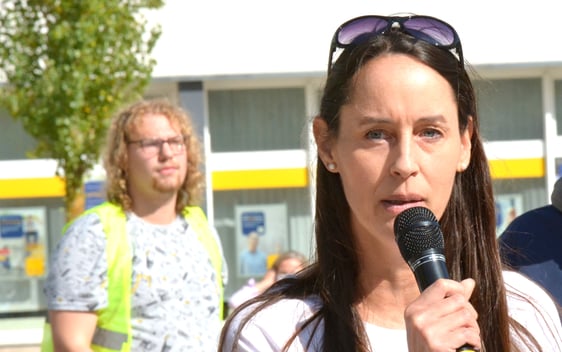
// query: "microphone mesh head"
[[417, 230]]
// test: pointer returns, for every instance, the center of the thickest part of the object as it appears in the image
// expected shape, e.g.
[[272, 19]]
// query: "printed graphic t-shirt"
[[174, 294]]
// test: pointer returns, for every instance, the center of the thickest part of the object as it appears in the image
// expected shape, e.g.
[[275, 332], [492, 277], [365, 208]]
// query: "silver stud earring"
[[331, 166]]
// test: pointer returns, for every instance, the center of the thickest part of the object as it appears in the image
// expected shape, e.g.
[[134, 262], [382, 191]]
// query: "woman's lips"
[[396, 206]]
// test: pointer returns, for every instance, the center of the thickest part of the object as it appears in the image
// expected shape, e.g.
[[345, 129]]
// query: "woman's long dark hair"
[[468, 221]]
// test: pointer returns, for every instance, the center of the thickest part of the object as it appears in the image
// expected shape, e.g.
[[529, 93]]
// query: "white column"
[[550, 132]]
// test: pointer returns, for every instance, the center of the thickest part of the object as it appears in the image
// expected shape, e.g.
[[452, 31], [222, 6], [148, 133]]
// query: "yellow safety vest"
[[113, 330]]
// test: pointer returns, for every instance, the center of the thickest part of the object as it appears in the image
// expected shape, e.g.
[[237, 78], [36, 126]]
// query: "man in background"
[[253, 261], [532, 244], [143, 271]]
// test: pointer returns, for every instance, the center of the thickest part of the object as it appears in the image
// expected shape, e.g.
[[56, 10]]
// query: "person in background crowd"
[[398, 128], [143, 271], [253, 261], [532, 244], [287, 263]]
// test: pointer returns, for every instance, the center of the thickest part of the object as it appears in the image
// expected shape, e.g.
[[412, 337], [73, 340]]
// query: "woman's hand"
[[442, 319]]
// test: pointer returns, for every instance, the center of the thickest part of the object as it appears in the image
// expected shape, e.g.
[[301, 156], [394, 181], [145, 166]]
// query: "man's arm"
[[72, 331]]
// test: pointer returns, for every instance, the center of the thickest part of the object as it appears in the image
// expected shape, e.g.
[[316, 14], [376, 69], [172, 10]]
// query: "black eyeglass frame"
[[402, 26], [159, 142]]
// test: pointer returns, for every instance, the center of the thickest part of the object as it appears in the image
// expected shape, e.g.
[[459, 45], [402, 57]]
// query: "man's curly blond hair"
[[116, 153]]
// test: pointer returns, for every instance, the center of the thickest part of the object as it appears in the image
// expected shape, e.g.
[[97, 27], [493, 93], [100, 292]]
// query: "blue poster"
[[253, 221], [11, 226], [23, 242], [261, 234]]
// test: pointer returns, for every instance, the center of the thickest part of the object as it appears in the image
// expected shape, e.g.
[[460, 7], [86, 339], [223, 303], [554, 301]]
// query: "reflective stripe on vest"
[[113, 331], [109, 339]]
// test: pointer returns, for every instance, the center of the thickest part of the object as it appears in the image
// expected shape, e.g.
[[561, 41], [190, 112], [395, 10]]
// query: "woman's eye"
[[431, 133], [376, 134]]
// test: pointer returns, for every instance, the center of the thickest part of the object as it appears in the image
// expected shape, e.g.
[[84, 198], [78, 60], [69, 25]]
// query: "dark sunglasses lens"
[[430, 30], [353, 31]]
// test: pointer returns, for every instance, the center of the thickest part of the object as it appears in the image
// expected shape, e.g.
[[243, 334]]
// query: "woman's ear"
[[323, 142]]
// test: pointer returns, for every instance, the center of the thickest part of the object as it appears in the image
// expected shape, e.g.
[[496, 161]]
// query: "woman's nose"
[[404, 163]]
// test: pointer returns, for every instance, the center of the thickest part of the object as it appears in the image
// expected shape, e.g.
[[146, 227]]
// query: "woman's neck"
[[386, 285], [384, 299]]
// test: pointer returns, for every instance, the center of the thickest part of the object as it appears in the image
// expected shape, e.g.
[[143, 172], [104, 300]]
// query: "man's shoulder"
[[85, 220], [535, 221]]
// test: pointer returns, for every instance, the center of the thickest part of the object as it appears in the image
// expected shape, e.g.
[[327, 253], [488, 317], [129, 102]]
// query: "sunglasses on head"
[[429, 29]]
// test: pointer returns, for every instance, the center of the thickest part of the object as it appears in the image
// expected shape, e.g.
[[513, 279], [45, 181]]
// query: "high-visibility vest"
[[113, 328]]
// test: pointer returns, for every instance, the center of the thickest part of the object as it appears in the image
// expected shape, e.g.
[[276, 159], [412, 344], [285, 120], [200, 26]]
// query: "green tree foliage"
[[68, 66]]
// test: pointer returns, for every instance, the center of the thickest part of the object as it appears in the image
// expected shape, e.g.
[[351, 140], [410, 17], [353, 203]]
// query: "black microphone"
[[420, 240]]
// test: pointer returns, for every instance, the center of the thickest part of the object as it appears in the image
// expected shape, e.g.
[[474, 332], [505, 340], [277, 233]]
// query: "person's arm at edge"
[[72, 331]]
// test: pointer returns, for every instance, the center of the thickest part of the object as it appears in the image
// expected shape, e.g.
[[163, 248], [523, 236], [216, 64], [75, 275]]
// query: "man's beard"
[[167, 185]]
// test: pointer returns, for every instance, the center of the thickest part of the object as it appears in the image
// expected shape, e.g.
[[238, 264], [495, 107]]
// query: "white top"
[[270, 329]]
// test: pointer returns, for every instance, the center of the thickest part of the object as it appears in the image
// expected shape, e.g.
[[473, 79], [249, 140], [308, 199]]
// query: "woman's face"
[[287, 267], [399, 144]]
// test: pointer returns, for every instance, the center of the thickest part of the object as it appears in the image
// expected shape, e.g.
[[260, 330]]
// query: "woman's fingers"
[[442, 318]]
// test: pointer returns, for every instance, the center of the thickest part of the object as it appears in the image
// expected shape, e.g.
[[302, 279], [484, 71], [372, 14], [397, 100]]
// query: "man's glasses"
[[151, 147], [429, 29]]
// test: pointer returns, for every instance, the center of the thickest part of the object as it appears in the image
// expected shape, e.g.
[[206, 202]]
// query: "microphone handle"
[[427, 269]]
